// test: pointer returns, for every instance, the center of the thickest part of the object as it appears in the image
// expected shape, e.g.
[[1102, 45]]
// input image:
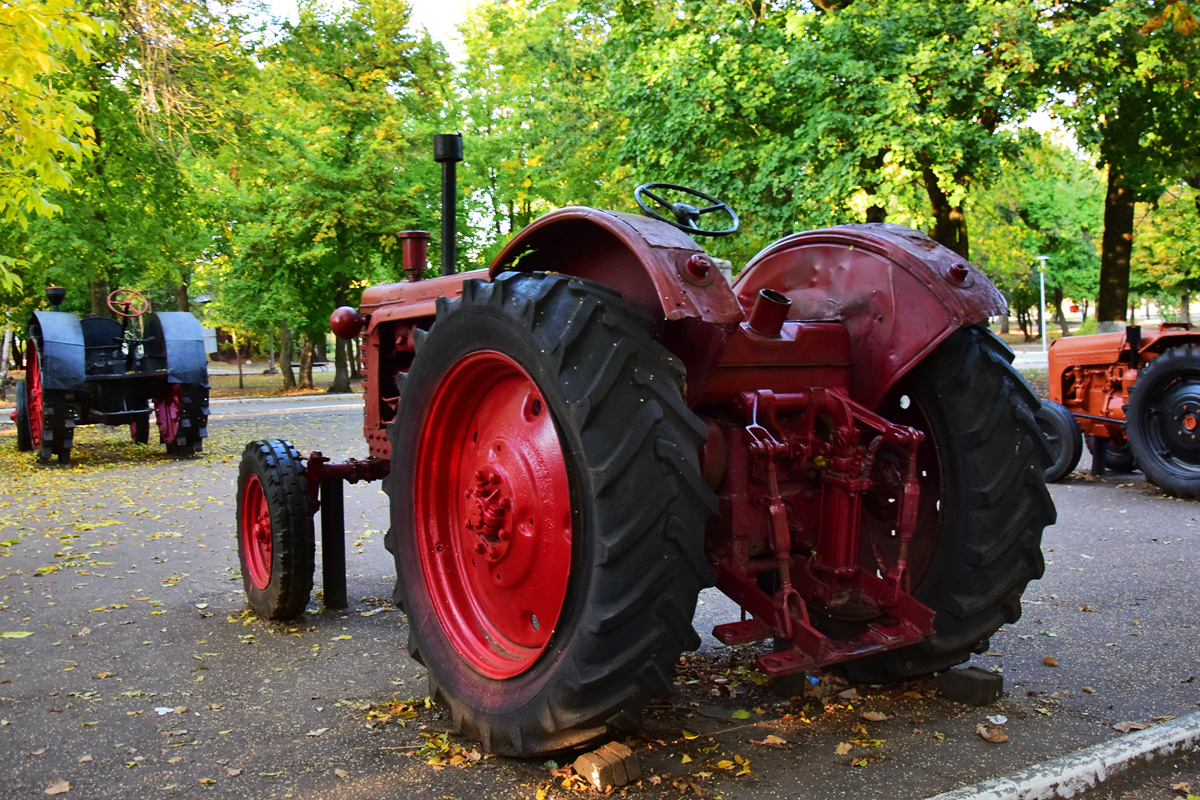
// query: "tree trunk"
[[4, 348], [306, 362], [1004, 323], [341, 371], [341, 366], [1060, 319], [287, 353], [1185, 308], [271, 368], [1116, 247], [320, 350], [237, 352], [181, 298], [1083, 306], [356, 359], [99, 300], [1023, 323], [949, 222]]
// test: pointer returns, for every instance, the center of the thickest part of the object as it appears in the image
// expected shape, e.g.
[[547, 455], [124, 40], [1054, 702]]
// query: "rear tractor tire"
[[182, 416], [276, 539], [1162, 421], [51, 412], [548, 511], [983, 501], [1063, 438]]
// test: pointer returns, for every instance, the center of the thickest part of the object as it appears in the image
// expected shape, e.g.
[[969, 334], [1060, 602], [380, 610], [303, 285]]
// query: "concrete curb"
[[1083, 770]]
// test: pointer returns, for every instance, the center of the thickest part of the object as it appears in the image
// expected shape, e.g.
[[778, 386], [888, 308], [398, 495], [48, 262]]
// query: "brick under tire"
[[1162, 421], [541, 402], [276, 539], [978, 417]]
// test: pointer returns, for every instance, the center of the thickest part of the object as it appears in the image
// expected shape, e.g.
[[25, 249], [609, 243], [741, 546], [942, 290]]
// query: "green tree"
[[1166, 255], [46, 129], [155, 93], [539, 121], [348, 102], [1048, 202], [1129, 70]]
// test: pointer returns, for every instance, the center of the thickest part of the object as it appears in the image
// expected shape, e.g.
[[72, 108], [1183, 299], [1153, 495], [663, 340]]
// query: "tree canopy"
[[177, 147]]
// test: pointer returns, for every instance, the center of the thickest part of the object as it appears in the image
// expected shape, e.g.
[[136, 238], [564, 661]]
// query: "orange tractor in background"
[[1135, 396], [579, 438]]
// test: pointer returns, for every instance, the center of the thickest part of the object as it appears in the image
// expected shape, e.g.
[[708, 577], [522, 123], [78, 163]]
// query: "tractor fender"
[[60, 340], [654, 266], [898, 292], [177, 346]]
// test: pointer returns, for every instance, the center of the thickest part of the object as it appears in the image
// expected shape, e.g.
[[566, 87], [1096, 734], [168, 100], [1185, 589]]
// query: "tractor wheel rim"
[[33, 378], [493, 514], [167, 411], [1178, 426], [256, 533]]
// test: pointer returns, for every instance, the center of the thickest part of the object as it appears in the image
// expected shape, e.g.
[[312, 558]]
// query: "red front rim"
[[167, 410], [256, 533], [493, 514], [33, 379]]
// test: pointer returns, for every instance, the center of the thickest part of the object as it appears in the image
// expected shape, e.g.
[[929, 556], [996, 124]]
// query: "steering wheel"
[[684, 215], [128, 303]]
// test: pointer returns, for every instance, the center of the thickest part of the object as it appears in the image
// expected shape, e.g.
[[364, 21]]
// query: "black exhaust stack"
[[1133, 335], [448, 151]]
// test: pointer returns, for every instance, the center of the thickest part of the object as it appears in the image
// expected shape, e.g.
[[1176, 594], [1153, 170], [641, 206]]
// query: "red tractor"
[[1135, 396], [581, 437]]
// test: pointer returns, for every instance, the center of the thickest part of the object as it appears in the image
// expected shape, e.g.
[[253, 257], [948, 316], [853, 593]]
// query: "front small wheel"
[[1162, 421], [276, 540], [1063, 437], [24, 434]]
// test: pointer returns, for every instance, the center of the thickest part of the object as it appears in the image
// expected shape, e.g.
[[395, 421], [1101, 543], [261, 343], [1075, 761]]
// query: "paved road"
[[143, 675]]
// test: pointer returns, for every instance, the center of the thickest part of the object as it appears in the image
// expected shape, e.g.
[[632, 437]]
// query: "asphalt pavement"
[[131, 667]]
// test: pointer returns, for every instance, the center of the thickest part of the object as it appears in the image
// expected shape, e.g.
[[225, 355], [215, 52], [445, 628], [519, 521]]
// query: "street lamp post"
[[1042, 311]]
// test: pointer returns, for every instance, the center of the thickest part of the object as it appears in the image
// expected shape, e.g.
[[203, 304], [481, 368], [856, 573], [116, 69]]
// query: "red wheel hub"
[[33, 380], [167, 411], [493, 514], [256, 533]]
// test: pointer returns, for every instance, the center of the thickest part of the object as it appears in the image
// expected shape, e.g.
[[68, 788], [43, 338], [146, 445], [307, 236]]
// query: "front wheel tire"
[[548, 510], [24, 434], [1063, 438], [276, 539]]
